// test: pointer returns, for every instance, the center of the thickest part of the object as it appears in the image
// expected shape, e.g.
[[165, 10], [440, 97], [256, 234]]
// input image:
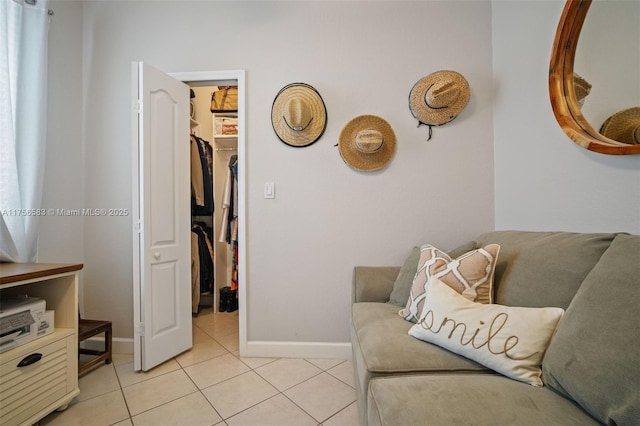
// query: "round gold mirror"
[[564, 83]]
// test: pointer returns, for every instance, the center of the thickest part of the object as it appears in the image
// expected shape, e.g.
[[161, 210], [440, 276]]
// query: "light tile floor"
[[212, 385]]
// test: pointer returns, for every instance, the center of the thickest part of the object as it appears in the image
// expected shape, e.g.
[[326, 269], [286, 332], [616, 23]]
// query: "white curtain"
[[24, 32]]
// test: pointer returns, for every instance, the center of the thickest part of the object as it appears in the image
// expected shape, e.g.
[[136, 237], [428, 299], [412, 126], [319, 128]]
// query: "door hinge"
[[139, 106], [139, 226], [140, 329]]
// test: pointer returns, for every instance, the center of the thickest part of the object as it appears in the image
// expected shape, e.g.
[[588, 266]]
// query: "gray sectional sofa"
[[591, 367]]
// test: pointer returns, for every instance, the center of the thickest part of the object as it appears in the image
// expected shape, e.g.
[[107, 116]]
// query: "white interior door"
[[161, 215]]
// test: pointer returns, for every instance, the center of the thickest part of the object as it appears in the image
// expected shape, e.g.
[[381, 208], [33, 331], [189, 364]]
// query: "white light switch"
[[269, 190]]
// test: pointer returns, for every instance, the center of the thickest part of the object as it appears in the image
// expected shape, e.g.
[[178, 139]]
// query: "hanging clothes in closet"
[[202, 206], [201, 177], [202, 270], [229, 226], [233, 166]]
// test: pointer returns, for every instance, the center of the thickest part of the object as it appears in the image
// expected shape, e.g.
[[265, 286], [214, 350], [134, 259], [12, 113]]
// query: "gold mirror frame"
[[562, 90]]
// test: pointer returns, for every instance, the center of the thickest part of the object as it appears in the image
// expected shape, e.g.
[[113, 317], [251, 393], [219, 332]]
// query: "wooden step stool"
[[88, 328]]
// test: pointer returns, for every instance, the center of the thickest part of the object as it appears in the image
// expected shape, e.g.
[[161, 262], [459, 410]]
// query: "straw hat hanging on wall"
[[298, 115], [367, 143], [623, 126], [438, 98]]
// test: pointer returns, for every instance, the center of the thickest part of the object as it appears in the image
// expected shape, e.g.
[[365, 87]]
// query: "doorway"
[[202, 82], [162, 288]]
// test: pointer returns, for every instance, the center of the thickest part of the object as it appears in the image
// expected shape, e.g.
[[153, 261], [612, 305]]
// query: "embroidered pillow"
[[509, 340], [470, 275]]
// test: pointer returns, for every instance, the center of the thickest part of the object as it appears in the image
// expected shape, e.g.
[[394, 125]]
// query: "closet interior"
[[214, 201]]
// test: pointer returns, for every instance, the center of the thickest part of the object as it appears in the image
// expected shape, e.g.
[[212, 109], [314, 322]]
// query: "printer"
[[23, 319]]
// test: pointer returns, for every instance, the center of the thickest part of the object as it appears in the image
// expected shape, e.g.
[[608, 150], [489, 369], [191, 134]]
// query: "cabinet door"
[[161, 214]]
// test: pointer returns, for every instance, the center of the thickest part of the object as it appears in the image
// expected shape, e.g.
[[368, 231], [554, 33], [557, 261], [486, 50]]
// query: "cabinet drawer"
[[28, 389]]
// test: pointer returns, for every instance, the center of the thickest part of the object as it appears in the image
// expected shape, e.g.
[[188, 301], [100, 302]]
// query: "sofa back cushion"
[[595, 356], [541, 269], [402, 284]]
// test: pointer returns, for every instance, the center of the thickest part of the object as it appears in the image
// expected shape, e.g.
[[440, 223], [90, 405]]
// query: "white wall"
[[363, 58], [544, 181], [61, 238]]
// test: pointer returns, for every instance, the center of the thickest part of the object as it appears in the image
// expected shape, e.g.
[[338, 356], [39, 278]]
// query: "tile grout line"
[[126, 404], [304, 381], [201, 393]]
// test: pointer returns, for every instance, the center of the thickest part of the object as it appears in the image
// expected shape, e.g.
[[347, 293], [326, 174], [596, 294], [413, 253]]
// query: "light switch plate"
[[269, 190]]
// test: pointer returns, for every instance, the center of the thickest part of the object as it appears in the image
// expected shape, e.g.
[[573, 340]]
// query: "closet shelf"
[[225, 126], [225, 142]]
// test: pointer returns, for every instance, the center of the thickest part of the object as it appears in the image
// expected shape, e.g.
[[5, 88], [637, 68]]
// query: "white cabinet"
[[29, 393]]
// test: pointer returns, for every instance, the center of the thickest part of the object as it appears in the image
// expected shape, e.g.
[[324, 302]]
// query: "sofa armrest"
[[373, 283]]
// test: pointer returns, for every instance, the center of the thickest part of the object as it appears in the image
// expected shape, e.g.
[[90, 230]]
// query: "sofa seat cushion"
[[386, 347], [480, 399], [540, 269], [382, 346], [594, 357]]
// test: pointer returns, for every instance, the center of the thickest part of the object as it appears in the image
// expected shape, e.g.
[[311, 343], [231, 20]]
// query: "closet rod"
[[226, 149]]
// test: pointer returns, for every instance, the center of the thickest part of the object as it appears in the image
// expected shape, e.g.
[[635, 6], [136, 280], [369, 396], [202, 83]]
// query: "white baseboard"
[[122, 345], [298, 350]]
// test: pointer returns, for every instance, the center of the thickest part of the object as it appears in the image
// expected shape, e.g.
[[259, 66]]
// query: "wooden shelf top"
[[13, 272]]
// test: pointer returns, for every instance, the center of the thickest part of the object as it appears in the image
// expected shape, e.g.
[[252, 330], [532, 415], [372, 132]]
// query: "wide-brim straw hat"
[[582, 87], [623, 126], [367, 143], [298, 115], [439, 97]]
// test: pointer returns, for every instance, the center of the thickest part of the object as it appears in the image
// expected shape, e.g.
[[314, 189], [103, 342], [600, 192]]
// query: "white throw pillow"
[[509, 340]]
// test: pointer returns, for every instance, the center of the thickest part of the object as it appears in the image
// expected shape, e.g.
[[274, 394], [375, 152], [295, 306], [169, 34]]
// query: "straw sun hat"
[[438, 98], [367, 143], [298, 115], [582, 86], [623, 126]]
